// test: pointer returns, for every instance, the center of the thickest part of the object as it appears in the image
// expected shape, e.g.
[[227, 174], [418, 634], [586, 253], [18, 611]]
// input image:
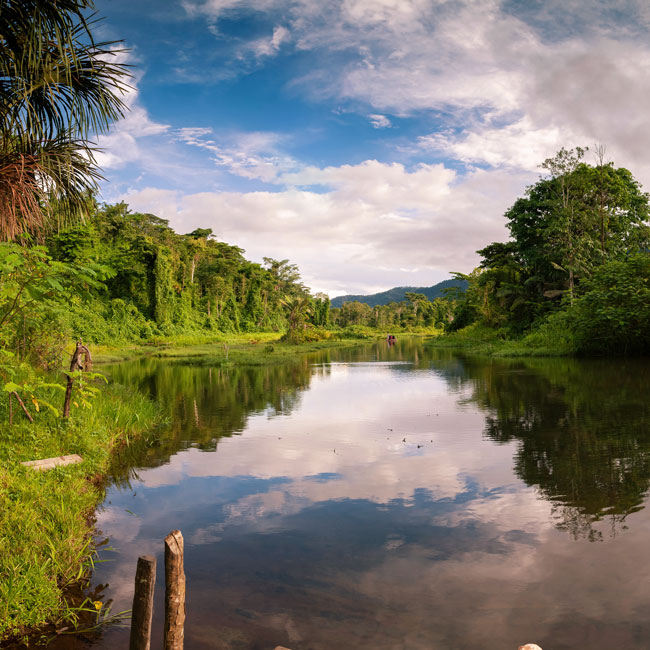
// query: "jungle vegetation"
[[575, 275], [58, 85]]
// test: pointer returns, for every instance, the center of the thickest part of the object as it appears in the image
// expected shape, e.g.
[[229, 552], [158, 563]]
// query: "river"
[[391, 498]]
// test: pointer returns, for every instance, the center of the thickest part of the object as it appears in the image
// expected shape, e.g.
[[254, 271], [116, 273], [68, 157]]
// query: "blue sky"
[[374, 143]]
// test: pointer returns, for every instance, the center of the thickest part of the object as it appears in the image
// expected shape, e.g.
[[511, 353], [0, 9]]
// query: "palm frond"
[[58, 87], [37, 181]]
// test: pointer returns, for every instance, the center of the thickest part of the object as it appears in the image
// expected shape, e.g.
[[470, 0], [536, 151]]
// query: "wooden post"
[[174, 592], [145, 581]]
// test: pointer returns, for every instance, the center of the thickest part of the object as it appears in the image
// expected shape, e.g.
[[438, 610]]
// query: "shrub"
[[612, 316]]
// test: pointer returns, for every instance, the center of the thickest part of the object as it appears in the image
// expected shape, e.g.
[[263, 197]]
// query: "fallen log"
[[50, 463]]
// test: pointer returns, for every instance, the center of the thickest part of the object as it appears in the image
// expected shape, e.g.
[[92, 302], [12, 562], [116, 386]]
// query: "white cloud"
[[379, 121], [371, 220], [120, 145], [517, 145], [268, 47], [252, 155], [502, 96], [543, 76]]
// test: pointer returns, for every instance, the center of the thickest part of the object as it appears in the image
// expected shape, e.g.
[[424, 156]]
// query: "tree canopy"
[[568, 228]]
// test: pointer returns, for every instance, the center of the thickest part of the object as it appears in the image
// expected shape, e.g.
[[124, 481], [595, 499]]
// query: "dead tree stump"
[[142, 611], [76, 363]]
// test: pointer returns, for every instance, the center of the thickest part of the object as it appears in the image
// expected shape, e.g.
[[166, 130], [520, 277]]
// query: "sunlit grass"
[[46, 517], [487, 341], [256, 348]]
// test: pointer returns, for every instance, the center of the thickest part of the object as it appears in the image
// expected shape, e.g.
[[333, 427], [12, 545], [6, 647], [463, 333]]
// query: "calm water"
[[393, 498]]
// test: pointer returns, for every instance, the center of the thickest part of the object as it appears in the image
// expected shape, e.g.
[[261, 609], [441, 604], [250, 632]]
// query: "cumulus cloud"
[[379, 121], [368, 225], [492, 67], [505, 84], [120, 145]]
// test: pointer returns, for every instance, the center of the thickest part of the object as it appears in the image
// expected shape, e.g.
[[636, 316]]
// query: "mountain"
[[398, 294]]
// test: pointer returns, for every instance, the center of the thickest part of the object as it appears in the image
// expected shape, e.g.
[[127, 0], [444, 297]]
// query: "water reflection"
[[394, 497], [582, 429]]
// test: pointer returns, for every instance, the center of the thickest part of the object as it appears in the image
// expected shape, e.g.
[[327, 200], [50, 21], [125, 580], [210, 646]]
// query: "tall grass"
[[46, 517]]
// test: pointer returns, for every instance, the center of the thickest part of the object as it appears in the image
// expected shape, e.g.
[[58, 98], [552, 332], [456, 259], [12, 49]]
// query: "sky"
[[374, 143]]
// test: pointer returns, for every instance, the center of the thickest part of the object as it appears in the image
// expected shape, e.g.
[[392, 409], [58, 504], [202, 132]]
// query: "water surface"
[[393, 498]]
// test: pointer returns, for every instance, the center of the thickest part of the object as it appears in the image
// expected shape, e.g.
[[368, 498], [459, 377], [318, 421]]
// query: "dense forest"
[[122, 276], [575, 270]]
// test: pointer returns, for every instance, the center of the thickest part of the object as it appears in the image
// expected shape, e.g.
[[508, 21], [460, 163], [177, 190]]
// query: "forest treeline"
[[123, 276], [574, 276]]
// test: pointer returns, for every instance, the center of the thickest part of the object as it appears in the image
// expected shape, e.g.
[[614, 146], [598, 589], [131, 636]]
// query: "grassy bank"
[[46, 518], [485, 341], [245, 349]]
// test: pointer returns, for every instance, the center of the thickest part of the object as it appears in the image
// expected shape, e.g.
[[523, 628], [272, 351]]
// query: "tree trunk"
[[76, 364]]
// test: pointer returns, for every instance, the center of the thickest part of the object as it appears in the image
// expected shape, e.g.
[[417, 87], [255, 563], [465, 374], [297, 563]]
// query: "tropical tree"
[[566, 227], [297, 309], [58, 87], [570, 223]]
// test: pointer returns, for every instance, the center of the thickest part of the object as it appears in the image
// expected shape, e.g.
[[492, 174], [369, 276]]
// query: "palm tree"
[[297, 309], [58, 87]]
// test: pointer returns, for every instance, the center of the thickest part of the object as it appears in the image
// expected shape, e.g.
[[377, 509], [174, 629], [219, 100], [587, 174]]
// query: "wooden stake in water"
[[145, 581], [174, 592]]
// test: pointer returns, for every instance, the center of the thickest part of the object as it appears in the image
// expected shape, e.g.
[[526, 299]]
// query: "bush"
[[554, 334], [305, 335], [357, 332], [612, 316]]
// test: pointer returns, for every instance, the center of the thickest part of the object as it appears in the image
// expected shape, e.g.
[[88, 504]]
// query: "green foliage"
[[162, 283], [612, 316], [357, 332], [416, 314], [305, 335], [35, 292], [44, 518], [163, 286]]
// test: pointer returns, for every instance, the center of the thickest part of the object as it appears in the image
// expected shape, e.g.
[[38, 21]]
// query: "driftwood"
[[142, 611], [174, 592], [50, 463], [76, 363]]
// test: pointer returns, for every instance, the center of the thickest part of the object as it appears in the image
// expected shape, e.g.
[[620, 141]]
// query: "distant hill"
[[398, 294]]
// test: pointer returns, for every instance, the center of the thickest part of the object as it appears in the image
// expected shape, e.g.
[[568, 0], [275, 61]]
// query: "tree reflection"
[[206, 403], [582, 428]]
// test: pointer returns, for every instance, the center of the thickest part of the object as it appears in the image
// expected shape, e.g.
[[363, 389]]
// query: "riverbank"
[[46, 518], [49, 515], [240, 349], [489, 342]]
